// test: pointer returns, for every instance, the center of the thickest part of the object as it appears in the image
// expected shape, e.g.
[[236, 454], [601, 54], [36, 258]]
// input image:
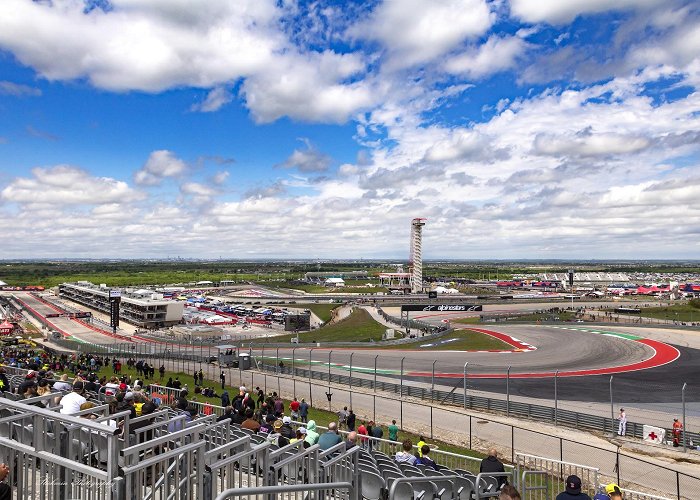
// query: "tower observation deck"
[[415, 261]]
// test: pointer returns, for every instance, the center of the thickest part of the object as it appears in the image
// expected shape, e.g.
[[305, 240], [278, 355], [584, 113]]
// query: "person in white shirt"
[[71, 402], [622, 426], [405, 455], [62, 385]]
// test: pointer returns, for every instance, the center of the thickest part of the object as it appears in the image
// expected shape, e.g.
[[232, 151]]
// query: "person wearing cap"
[[601, 495], [275, 437], [614, 492], [71, 402], [300, 435], [573, 490], [286, 429]]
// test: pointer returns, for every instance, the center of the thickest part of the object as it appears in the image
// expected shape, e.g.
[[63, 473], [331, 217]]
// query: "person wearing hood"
[[311, 433], [225, 399]]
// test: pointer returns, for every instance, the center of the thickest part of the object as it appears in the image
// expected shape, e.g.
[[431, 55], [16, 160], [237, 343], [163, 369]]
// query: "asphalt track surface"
[[577, 351]]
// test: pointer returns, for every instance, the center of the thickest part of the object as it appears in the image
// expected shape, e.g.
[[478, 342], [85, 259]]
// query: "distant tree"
[[695, 303]]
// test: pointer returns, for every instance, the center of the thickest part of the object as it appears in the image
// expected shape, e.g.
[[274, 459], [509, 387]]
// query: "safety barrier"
[[557, 471]]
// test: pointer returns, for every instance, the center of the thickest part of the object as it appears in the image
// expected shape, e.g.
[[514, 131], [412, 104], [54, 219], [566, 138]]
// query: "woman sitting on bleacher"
[[405, 455]]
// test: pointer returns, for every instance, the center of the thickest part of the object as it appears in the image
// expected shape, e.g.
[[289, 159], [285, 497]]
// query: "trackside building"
[[142, 308]]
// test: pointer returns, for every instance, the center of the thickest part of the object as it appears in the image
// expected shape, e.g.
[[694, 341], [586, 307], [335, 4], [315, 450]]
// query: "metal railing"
[[557, 471], [300, 491]]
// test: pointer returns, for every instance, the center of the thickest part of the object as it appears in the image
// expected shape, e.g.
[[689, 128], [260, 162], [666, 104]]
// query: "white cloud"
[[221, 177], [216, 99], [496, 54], [561, 12], [417, 31], [307, 160], [18, 89], [588, 143], [161, 164], [309, 87], [67, 185]]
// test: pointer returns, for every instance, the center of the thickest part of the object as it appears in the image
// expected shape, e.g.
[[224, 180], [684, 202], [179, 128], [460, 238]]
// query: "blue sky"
[[272, 129]]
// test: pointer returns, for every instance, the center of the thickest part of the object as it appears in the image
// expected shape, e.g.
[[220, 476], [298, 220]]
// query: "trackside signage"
[[442, 307]]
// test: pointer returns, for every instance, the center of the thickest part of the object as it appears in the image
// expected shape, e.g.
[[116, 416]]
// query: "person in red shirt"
[[677, 431], [294, 409], [362, 432]]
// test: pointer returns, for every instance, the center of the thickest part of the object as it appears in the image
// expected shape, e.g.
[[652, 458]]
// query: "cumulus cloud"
[[160, 165], [18, 89], [216, 99], [495, 55], [417, 31], [220, 177], [588, 143], [67, 185], [535, 11], [307, 160]]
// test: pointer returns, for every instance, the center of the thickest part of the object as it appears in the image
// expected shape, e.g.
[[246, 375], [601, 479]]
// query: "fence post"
[[294, 372], [401, 388], [375, 373], [262, 357], [311, 394], [432, 389], [465, 394], [612, 410], [556, 400], [329, 378], [431, 421], [350, 379], [508, 392], [685, 384]]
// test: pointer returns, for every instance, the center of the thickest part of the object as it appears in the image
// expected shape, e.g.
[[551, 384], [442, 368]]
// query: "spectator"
[[267, 426], [362, 433], [286, 429], [62, 384], [613, 491], [419, 445], [343, 417], [377, 431], [228, 414], [573, 490], [225, 399], [5, 383], [406, 455], [424, 459], [393, 431], [311, 433], [329, 438], [276, 437], [5, 489], [147, 409], [294, 409], [350, 421], [509, 492], [492, 464], [304, 411], [250, 423], [161, 371], [279, 406], [261, 396], [222, 377], [351, 440], [71, 402], [299, 436]]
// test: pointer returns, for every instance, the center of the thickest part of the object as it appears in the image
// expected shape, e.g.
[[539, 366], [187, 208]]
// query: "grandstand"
[[104, 453]]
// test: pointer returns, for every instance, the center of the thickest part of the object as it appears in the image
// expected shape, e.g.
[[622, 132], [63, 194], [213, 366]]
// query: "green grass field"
[[323, 311], [358, 327], [467, 340], [682, 312]]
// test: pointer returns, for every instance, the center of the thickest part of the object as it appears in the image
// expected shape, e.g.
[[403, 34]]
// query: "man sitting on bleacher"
[[71, 402], [250, 423], [330, 438]]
